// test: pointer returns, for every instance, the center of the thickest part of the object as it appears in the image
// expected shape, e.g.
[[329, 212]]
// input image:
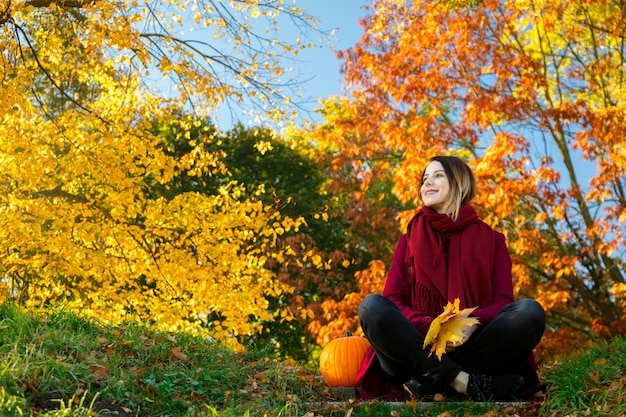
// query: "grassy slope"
[[61, 365]]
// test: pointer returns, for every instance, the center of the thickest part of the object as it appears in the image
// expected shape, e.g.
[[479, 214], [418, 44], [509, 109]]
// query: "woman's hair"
[[462, 183]]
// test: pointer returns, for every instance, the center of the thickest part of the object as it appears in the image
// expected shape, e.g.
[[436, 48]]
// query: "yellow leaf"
[[448, 311], [448, 327], [433, 331]]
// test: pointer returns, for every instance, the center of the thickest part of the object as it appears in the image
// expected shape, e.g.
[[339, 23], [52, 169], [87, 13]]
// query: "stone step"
[[342, 397]]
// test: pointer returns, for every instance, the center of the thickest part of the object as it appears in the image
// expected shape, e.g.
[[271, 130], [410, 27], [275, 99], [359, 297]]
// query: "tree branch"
[[61, 3], [5, 16], [59, 192]]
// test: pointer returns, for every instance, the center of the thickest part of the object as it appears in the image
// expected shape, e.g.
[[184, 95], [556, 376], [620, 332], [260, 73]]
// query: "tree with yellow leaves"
[[79, 224]]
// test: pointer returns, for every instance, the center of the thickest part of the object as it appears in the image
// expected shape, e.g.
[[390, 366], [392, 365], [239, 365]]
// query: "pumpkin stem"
[[348, 333]]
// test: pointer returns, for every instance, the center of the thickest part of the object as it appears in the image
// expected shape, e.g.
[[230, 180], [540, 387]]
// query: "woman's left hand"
[[467, 333]]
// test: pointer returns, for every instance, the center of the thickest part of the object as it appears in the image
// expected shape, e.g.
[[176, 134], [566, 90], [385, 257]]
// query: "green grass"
[[58, 360], [58, 364], [591, 382]]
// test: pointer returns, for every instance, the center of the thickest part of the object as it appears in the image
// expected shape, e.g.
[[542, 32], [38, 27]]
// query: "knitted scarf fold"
[[470, 259]]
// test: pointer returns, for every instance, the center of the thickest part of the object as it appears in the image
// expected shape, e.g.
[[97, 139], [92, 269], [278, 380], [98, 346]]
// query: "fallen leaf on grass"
[[77, 395], [290, 363], [438, 397], [601, 361], [509, 411], [253, 386], [177, 354], [101, 373], [618, 385]]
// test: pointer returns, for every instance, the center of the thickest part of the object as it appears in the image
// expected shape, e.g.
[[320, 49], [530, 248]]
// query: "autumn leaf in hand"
[[448, 327]]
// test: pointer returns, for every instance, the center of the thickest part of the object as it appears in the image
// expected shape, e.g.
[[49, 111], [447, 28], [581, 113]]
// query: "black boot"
[[497, 387], [421, 387]]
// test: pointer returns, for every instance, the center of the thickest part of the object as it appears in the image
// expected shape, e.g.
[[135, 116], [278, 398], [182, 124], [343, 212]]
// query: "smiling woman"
[[447, 184], [435, 187], [448, 254]]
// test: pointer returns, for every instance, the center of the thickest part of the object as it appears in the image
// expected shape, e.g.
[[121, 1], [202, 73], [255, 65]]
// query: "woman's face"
[[435, 187]]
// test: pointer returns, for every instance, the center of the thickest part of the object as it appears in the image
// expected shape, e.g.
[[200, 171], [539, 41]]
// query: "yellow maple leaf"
[[448, 327]]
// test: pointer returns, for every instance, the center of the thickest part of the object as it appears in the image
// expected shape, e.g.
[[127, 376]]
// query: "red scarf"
[[468, 271]]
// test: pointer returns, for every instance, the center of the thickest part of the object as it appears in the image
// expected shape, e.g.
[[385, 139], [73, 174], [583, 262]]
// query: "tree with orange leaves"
[[360, 179], [533, 95]]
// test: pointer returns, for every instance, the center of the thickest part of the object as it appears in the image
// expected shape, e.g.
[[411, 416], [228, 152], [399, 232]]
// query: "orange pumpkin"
[[341, 359]]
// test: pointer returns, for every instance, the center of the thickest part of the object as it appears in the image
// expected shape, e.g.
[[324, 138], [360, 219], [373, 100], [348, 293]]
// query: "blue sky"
[[316, 69], [320, 64]]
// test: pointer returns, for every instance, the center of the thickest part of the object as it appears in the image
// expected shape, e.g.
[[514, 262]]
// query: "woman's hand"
[[467, 333]]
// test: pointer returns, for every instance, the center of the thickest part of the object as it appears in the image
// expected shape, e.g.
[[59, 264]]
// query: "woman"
[[449, 253]]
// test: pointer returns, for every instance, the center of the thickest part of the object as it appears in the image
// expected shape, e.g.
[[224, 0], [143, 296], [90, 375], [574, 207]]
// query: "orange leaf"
[[101, 373], [177, 354]]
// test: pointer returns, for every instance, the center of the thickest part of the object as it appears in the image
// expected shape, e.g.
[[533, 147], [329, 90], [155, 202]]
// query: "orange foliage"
[[558, 344], [359, 180], [545, 137], [336, 317]]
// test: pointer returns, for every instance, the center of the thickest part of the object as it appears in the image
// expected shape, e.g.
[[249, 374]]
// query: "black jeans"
[[502, 346]]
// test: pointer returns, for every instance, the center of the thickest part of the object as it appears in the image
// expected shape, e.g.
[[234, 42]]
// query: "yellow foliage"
[[79, 222], [448, 328]]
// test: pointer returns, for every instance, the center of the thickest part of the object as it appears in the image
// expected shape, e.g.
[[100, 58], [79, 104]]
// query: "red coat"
[[370, 381]]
